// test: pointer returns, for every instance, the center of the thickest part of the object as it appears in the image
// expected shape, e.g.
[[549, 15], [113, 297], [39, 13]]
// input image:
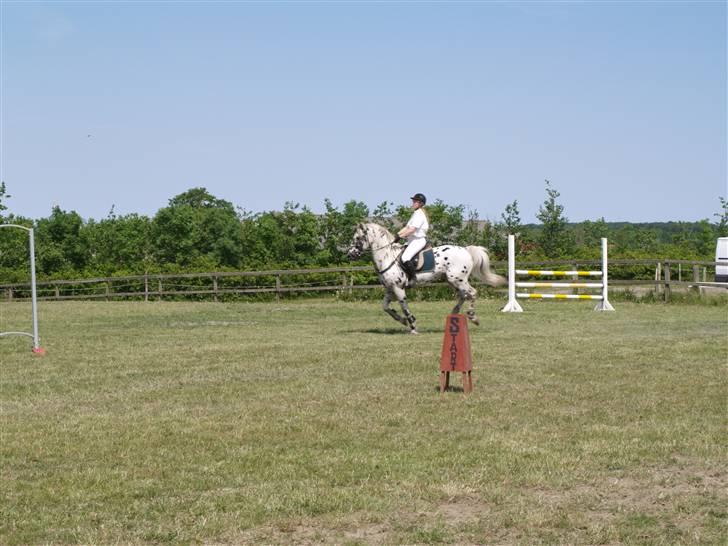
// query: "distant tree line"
[[197, 231]]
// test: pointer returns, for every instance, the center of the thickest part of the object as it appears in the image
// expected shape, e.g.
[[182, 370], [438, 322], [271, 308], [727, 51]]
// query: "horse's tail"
[[481, 267]]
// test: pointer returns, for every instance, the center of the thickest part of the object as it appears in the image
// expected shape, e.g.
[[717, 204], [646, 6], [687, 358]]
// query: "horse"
[[454, 263]]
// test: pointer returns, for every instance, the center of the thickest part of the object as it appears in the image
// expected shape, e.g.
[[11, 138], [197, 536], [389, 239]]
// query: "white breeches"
[[413, 248]]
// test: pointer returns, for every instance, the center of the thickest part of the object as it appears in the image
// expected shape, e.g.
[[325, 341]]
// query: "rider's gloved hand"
[[397, 238]]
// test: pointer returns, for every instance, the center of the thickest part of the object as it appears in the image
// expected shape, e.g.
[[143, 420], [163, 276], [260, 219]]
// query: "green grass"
[[321, 422]]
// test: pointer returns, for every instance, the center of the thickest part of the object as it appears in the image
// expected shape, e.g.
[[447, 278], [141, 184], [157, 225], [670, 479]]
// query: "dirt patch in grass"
[[613, 510], [445, 520], [309, 532], [680, 499]]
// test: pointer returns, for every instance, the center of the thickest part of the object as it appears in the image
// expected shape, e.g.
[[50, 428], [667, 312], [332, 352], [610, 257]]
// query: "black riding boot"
[[409, 269]]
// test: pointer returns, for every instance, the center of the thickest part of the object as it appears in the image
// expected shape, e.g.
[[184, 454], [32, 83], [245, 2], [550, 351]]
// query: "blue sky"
[[621, 105]]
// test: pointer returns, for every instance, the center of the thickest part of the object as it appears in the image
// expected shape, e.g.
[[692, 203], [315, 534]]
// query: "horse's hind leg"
[[459, 304], [410, 319], [470, 294], [466, 292], [391, 312], [459, 284]]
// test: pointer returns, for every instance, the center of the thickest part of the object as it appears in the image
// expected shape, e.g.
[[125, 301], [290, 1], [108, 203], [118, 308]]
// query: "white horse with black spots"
[[454, 263]]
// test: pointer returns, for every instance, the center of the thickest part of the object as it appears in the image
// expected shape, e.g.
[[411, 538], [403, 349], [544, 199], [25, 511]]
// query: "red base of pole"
[[40, 351]]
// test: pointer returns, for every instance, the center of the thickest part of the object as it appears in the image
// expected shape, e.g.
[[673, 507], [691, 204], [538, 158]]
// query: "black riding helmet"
[[419, 197]]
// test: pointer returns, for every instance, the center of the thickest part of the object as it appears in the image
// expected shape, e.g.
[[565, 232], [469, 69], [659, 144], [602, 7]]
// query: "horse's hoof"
[[414, 332], [475, 321]]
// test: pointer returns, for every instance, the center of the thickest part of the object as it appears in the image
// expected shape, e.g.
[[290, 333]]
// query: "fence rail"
[[337, 279]]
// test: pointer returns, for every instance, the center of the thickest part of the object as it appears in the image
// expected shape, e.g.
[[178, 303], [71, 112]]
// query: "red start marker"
[[456, 355], [39, 351]]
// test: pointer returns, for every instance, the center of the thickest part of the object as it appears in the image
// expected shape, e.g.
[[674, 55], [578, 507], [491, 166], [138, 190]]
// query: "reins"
[[396, 259], [382, 247]]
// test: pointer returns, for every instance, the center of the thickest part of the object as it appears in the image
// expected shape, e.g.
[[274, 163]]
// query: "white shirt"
[[419, 221]]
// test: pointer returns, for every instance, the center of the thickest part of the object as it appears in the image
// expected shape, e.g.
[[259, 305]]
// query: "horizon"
[[300, 206]]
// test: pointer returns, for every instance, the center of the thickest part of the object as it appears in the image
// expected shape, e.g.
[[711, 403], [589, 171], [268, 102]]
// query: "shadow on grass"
[[451, 388], [394, 331]]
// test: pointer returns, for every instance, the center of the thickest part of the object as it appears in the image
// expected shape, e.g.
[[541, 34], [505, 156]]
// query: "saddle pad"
[[426, 259]]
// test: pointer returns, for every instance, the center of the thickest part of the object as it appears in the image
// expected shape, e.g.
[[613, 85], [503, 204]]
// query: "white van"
[[721, 255]]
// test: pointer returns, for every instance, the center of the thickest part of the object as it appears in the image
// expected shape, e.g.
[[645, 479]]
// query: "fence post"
[[214, 287], [10, 294], [667, 282], [159, 285], [57, 291], [278, 287], [696, 279], [146, 287], [108, 289]]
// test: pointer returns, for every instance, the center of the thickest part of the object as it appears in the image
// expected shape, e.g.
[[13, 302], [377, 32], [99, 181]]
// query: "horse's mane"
[[380, 230]]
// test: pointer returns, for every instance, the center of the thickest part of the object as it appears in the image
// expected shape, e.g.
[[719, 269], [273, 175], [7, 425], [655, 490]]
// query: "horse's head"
[[359, 243]]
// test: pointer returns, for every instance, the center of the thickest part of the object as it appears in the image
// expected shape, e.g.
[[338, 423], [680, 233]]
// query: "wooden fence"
[[661, 274]]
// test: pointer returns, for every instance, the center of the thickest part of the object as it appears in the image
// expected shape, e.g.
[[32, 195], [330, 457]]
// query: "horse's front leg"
[[410, 321], [391, 312]]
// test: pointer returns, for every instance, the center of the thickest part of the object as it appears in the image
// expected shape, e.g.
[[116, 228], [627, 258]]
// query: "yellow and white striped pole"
[[559, 296]]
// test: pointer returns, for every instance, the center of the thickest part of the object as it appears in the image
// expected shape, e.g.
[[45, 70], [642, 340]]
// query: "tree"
[[337, 227], [120, 243], [705, 240], [634, 241], [14, 262], [469, 233], [3, 195], [383, 215], [61, 243], [721, 225], [197, 227], [592, 233], [554, 239], [512, 219], [301, 235], [496, 234], [199, 198]]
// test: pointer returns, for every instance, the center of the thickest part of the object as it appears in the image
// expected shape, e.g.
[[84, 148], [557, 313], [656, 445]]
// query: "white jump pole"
[[512, 306], [33, 295], [604, 304]]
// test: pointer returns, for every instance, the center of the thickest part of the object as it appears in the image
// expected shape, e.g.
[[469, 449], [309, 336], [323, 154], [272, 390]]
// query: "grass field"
[[317, 421]]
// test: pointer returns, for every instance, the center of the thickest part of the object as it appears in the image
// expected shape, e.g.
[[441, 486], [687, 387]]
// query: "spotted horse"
[[454, 263]]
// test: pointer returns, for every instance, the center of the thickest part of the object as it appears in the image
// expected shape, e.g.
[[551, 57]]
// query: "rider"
[[415, 232]]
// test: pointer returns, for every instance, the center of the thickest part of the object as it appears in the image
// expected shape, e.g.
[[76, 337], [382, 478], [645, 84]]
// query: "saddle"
[[425, 259]]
